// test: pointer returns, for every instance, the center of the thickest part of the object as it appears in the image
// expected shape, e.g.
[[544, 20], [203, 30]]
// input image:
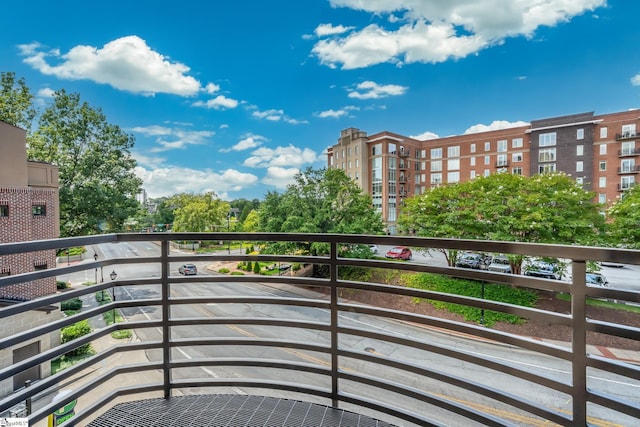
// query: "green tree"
[[624, 227], [251, 221], [97, 180], [320, 201], [548, 208], [199, 213], [16, 101]]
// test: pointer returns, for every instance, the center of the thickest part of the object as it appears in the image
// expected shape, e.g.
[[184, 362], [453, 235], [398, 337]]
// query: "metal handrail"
[[331, 359]]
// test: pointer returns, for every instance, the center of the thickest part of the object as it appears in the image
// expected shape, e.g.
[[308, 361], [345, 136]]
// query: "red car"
[[399, 252]]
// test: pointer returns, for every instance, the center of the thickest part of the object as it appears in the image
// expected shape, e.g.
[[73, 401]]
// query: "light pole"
[[113, 277], [95, 258], [229, 229]]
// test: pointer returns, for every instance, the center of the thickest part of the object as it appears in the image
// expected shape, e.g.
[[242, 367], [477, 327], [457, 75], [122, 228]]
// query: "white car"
[[500, 264], [373, 248]]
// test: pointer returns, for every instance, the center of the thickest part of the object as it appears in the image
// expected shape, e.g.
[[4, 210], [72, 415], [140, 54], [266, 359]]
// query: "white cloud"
[[495, 125], [289, 156], [274, 115], [635, 80], [280, 177], [220, 102], [372, 90], [250, 141], [425, 136], [126, 64], [173, 138], [211, 88], [437, 30], [323, 30], [169, 180], [46, 93], [334, 114]]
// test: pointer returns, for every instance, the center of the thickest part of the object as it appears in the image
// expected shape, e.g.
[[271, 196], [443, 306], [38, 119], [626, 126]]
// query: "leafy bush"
[[256, 267], [73, 304], [74, 331], [472, 288], [223, 270], [296, 266], [60, 285], [122, 334], [237, 273], [249, 266]]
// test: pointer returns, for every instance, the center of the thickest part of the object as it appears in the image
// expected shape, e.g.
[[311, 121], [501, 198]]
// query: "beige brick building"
[[599, 151], [29, 210]]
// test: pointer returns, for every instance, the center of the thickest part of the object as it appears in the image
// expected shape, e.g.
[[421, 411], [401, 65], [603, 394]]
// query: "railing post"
[[166, 332], [579, 342], [333, 277]]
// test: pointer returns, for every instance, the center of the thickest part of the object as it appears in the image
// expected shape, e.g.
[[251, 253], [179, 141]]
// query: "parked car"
[[373, 248], [399, 252], [473, 260], [542, 269], [188, 269], [597, 279], [500, 264]]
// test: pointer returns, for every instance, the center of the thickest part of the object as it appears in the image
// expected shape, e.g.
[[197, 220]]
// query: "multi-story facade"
[[599, 151], [28, 211]]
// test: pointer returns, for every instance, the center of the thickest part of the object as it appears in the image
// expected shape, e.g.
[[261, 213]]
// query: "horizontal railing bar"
[[298, 302], [624, 406], [630, 332], [625, 369], [254, 321], [262, 363], [257, 342]]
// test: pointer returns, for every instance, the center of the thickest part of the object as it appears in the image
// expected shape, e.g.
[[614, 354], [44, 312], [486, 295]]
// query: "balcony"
[[628, 152], [299, 349], [502, 163], [402, 166], [628, 169], [627, 135], [404, 153]]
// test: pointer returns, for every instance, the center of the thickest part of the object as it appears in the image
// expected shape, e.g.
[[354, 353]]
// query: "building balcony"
[[629, 169], [402, 166], [626, 186], [627, 135], [404, 153], [502, 164], [629, 152], [296, 345]]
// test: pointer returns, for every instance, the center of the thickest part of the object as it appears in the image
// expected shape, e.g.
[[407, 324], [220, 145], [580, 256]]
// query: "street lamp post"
[[95, 258], [113, 277], [228, 230]]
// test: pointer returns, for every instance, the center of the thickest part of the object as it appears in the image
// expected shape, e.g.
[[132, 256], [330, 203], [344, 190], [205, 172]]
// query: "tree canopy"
[[624, 228], [320, 201], [16, 101], [547, 208], [199, 213], [97, 181]]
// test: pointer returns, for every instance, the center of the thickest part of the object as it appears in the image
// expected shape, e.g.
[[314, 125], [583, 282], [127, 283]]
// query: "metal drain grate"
[[230, 411]]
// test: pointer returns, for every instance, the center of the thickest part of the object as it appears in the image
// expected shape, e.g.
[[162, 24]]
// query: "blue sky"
[[237, 96]]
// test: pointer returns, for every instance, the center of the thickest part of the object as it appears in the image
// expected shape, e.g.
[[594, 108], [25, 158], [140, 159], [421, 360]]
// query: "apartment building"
[[28, 211], [599, 151]]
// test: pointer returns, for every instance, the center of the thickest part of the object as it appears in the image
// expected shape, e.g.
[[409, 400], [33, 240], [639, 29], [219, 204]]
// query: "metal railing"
[[247, 332]]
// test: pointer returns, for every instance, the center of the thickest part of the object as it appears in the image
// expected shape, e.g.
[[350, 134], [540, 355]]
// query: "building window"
[[39, 265], [487, 146], [602, 182], [516, 143], [547, 168], [355, 150], [472, 174], [517, 171], [6, 271], [580, 134], [473, 161], [436, 166], [357, 163], [627, 165], [579, 166], [4, 210], [436, 178], [453, 151], [487, 160], [453, 177], [580, 180], [603, 132], [501, 161], [502, 145], [453, 164], [473, 148], [628, 130], [376, 150], [603, 165], [602, 198], [547, 139], [423, 154], [392, 148], [626, 182], [349, 164], [517, 157], [436, 153], [547, 155], [357, 175], [628, 148], [349, 151], [579, 150], [603, 149], [39, 210], [487, 172]]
